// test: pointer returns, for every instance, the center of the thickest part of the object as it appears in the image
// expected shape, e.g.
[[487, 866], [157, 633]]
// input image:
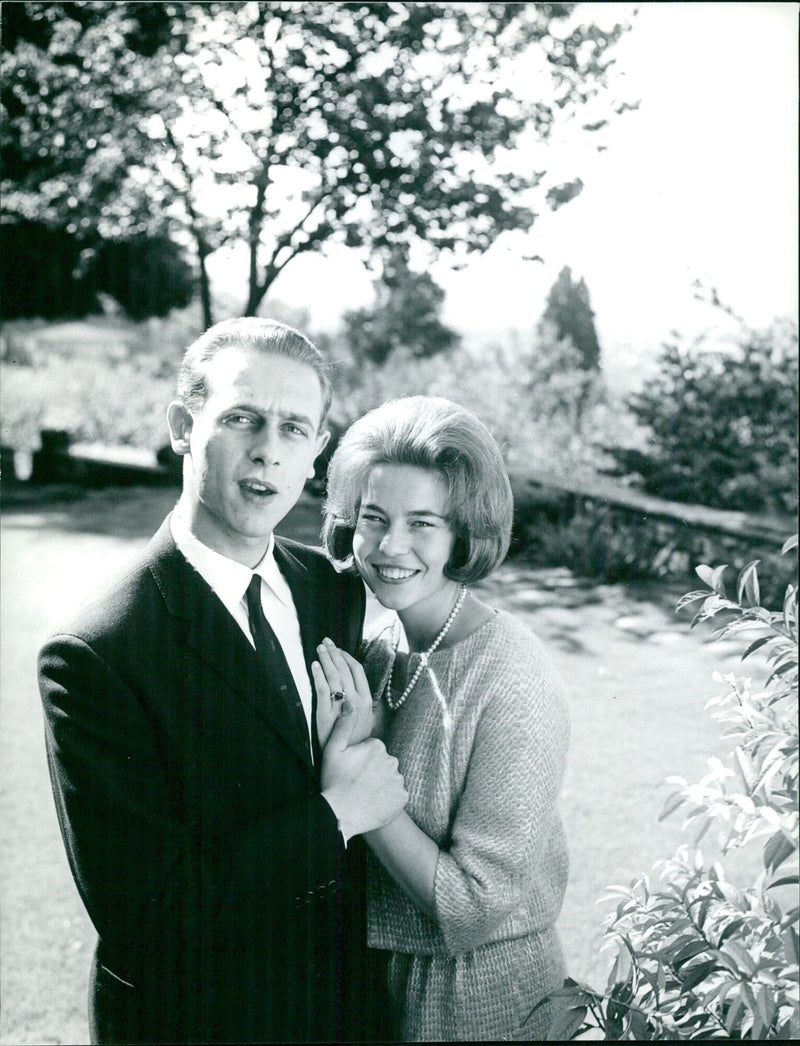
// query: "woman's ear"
[[179, 420]]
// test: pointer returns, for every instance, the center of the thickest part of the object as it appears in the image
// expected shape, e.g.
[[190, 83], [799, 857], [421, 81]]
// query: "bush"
[[697, 956], [616, 546], [721, 427]]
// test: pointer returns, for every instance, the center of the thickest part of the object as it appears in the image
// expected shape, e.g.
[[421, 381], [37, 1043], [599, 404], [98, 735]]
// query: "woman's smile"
[[394, 575]]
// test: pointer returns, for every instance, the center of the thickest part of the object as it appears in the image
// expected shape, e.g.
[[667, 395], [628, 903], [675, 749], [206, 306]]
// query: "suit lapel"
[[306, 605], [215, 637]]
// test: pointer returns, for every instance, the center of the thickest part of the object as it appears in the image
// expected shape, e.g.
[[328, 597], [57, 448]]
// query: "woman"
[[472, 875]]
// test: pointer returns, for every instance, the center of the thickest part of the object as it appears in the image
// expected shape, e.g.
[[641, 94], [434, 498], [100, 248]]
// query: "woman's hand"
[[339, 677]]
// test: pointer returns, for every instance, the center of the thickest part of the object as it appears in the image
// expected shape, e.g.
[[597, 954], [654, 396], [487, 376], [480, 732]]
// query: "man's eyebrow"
[[251, 408], [303, 418]]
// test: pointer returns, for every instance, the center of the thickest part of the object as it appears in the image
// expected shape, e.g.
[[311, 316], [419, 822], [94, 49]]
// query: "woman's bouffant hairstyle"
[[429, 433], [250, 332]]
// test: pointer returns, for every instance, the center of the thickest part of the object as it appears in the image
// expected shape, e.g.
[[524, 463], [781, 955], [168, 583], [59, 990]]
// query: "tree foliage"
[[697, 956], [721, 426], [405, 315], [51, 273], [569, 314], [285, 125]]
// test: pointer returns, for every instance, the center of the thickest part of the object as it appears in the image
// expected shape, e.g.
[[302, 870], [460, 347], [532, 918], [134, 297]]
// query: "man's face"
[[251, 448]]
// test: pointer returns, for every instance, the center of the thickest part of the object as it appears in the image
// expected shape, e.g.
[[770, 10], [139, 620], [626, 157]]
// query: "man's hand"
[[360, 782]]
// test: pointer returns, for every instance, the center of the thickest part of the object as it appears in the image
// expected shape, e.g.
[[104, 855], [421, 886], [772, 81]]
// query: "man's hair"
[[268, 336], [429, 433]]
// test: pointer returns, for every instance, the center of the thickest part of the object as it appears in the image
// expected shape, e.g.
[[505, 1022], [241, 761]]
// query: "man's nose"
[[265, 447]]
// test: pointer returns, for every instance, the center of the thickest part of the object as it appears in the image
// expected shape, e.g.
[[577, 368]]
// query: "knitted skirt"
[[486, 994]]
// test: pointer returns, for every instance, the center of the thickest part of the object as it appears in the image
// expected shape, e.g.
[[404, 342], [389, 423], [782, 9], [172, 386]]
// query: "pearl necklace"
[[395, 703]]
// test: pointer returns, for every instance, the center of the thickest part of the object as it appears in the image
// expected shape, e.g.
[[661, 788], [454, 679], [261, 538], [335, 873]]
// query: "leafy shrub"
[[697, 956], [721, 427], [615, 546]]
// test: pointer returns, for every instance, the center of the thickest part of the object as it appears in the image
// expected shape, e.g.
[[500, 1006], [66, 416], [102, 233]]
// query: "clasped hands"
[[360, 780]]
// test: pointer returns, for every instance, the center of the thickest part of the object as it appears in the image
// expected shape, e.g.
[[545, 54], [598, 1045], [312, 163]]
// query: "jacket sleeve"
[[506, 817], [149, 879]]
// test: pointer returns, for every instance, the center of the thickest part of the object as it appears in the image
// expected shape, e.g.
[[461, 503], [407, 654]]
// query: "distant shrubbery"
[[721, 428], [532, 414], [113, 387]]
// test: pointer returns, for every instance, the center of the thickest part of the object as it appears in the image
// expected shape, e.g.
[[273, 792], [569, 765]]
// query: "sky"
[[699, 183]]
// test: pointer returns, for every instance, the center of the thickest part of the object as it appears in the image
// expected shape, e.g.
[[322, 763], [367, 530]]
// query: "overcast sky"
[[700, 182]]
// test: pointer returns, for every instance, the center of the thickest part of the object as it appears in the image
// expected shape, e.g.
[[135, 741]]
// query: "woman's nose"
[[394, 541]]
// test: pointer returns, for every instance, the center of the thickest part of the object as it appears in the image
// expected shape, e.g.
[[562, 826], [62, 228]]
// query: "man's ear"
[[322, 443], [179, 420]]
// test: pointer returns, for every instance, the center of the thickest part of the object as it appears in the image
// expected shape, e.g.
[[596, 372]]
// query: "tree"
[[286, 126], [721, 426], [58, 274], [569, 313], [405, 314]]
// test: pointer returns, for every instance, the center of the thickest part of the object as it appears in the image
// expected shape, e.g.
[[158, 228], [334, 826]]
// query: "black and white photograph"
[[399, 508]]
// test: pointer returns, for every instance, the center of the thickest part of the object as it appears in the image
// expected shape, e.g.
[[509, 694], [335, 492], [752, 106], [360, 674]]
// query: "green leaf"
[[786, 880], [639, 1026], [791, 946], [748, 583], [689, 952], [756, 645], [674, 801], [741, 956], [766, 1006], [689, 598], [789, 544], [716, 579], [567, 1024], [732, 927], [777, 849], [781, 669], [732, 1018], [705, 573], [698, 973]]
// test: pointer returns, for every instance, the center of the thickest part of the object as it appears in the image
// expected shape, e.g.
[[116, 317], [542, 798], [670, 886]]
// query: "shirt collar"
[[226, 577]]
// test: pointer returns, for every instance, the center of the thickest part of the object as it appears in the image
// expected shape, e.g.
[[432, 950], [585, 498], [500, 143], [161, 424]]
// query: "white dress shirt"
[[230, 579]]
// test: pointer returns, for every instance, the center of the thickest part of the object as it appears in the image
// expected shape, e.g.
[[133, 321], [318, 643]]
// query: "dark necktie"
[[269, 650]]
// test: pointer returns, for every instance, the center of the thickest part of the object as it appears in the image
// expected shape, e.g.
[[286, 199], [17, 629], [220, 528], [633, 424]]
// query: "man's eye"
[[294, 430], [240, 419], [370, 517], [421, 523]]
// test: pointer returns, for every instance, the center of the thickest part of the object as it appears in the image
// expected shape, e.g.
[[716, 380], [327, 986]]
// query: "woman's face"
[[403, 539]]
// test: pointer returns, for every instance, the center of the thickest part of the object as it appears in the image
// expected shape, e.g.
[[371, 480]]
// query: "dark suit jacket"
[[226, 905]]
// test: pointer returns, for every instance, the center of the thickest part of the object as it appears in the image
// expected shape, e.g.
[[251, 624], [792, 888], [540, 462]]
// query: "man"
[[211, 840]]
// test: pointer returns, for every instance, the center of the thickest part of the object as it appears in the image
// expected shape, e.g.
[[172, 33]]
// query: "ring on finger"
[[337, 695]]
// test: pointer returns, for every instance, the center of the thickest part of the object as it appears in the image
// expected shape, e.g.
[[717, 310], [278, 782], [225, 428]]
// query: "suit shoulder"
[[315, 560]]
